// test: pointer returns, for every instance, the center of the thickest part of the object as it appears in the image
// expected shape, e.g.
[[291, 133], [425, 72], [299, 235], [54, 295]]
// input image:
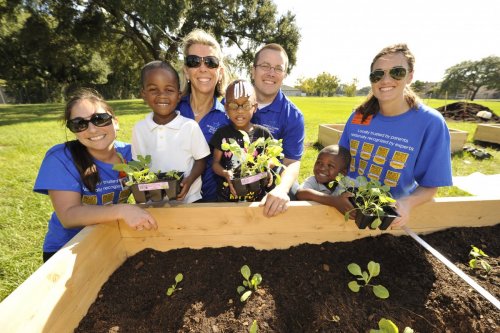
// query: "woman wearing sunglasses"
[[395, 138], [79, 178], [205, 81]]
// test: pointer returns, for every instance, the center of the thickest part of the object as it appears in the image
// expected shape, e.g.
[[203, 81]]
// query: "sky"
[[342, 37]]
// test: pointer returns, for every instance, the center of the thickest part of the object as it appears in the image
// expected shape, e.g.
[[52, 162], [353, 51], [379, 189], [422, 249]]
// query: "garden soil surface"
[[304, 288]]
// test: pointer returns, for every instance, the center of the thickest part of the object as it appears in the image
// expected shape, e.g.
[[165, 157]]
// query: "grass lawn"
[[27, 131]]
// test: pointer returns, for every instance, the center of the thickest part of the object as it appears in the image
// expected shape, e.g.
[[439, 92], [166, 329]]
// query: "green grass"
[[27, 131]]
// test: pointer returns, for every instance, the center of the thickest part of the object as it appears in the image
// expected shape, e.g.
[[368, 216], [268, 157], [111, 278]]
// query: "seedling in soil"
[[254, 328], [478, 259], [178, 278], [373, 270], [249, 284], [387, 326]]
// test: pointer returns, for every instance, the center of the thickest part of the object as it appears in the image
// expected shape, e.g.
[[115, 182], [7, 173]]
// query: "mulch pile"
[[304, 288], [467, 112]]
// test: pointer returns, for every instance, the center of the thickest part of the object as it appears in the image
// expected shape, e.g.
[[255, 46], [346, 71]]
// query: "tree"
[[469, 76], [326, 84], [306, 85], [156, 27], [350, 89]]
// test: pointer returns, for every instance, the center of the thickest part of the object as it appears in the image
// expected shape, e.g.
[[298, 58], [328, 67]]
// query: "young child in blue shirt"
[[173, 141]]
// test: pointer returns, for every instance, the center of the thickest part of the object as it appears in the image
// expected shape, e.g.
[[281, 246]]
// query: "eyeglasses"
[[194, 61], [397, 73], [235, 106], [267, 68], [80, 124]]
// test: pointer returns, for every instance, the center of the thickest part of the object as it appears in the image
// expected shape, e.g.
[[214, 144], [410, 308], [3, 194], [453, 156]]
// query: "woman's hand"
[[137, 218], [275, 202]]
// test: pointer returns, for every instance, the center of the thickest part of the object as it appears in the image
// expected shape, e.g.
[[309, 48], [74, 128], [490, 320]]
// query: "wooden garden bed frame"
[[57, 296], [329, 134], [488, 133]]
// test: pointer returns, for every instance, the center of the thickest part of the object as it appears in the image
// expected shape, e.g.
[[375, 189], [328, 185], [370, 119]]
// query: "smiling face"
[[327, 167], [161, 93], [203, 79], [96, 139], [240, 104], [267, 83], [389, 90]]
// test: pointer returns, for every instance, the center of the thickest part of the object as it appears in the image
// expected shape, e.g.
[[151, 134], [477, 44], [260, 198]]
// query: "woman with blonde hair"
[[205, 81], [394, 138]]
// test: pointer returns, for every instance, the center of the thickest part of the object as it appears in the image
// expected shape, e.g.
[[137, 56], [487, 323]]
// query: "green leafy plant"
[[138, 172], [254, 328], [252, 163], [178, 278], [373, 270], [387, 326], [478, 259], [249, 284], [370, 196]]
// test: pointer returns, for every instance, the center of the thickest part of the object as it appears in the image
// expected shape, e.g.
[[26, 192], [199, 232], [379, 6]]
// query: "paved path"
[[479, 184]]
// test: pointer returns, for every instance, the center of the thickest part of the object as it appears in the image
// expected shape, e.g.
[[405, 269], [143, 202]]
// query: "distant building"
[[291, 91]]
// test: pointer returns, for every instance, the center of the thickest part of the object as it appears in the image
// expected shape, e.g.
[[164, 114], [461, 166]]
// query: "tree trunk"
[[474, 93]]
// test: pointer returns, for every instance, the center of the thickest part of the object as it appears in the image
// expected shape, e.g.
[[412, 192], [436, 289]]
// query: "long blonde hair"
[[371, 106], [202, 37]]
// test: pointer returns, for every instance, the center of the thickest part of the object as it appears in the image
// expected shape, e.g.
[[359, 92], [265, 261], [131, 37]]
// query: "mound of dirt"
[[466, 112]]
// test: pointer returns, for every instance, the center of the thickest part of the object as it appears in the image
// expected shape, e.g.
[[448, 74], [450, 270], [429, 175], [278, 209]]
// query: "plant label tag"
[[153, 186], [253, 179]]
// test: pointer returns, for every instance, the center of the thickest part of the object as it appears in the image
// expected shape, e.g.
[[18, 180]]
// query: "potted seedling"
[[256, 162], [372, 201], [147, 185]]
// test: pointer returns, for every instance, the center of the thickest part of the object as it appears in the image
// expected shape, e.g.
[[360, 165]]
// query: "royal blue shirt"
[[285, 121], [404, 151], [58, 172], [209, 124]]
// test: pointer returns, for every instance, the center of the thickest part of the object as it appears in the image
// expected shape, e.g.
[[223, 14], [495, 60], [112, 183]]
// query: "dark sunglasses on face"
[[397, 73], [235, 106], [80, 124], [194, 61]]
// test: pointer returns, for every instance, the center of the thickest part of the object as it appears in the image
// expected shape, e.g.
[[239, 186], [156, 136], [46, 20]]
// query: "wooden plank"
[[457, 139], [59, 293], [329, 134], [488, 133]]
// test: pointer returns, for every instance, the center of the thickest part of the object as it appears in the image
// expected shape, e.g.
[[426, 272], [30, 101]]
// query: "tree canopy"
[[470, 76], [54, 44]]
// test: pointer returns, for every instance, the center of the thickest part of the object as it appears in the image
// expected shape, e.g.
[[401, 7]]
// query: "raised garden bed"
[[488, 133], [329, 134], [58, 295]]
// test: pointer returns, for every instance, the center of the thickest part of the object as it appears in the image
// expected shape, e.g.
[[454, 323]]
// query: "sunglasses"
[[235, 106], [80, 124], [397, 73], [194, 61]]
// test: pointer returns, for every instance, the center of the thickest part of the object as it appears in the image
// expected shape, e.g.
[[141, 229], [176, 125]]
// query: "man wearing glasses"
[[283, 119]]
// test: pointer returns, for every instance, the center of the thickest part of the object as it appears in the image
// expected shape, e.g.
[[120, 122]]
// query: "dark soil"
[[467, 112], [304, 288]]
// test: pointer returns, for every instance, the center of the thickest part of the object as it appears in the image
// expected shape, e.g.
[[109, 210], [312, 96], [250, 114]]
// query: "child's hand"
[[271, 179], [228, 175], [185, 186]]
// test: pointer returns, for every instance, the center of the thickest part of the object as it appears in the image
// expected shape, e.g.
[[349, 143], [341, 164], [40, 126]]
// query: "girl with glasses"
[[240, 105], [79, 178], [205, 80], [394, 138]]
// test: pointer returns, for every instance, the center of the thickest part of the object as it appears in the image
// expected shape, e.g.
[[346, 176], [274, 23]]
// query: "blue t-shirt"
[[209, 124], [403, 152], [58, 172], [285, 121]]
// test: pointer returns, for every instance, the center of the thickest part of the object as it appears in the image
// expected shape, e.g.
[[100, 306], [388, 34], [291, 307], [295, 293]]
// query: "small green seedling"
[[254, 328], [373, 270], [478, 259], [178, 278], [250, 284], [387, 326]]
